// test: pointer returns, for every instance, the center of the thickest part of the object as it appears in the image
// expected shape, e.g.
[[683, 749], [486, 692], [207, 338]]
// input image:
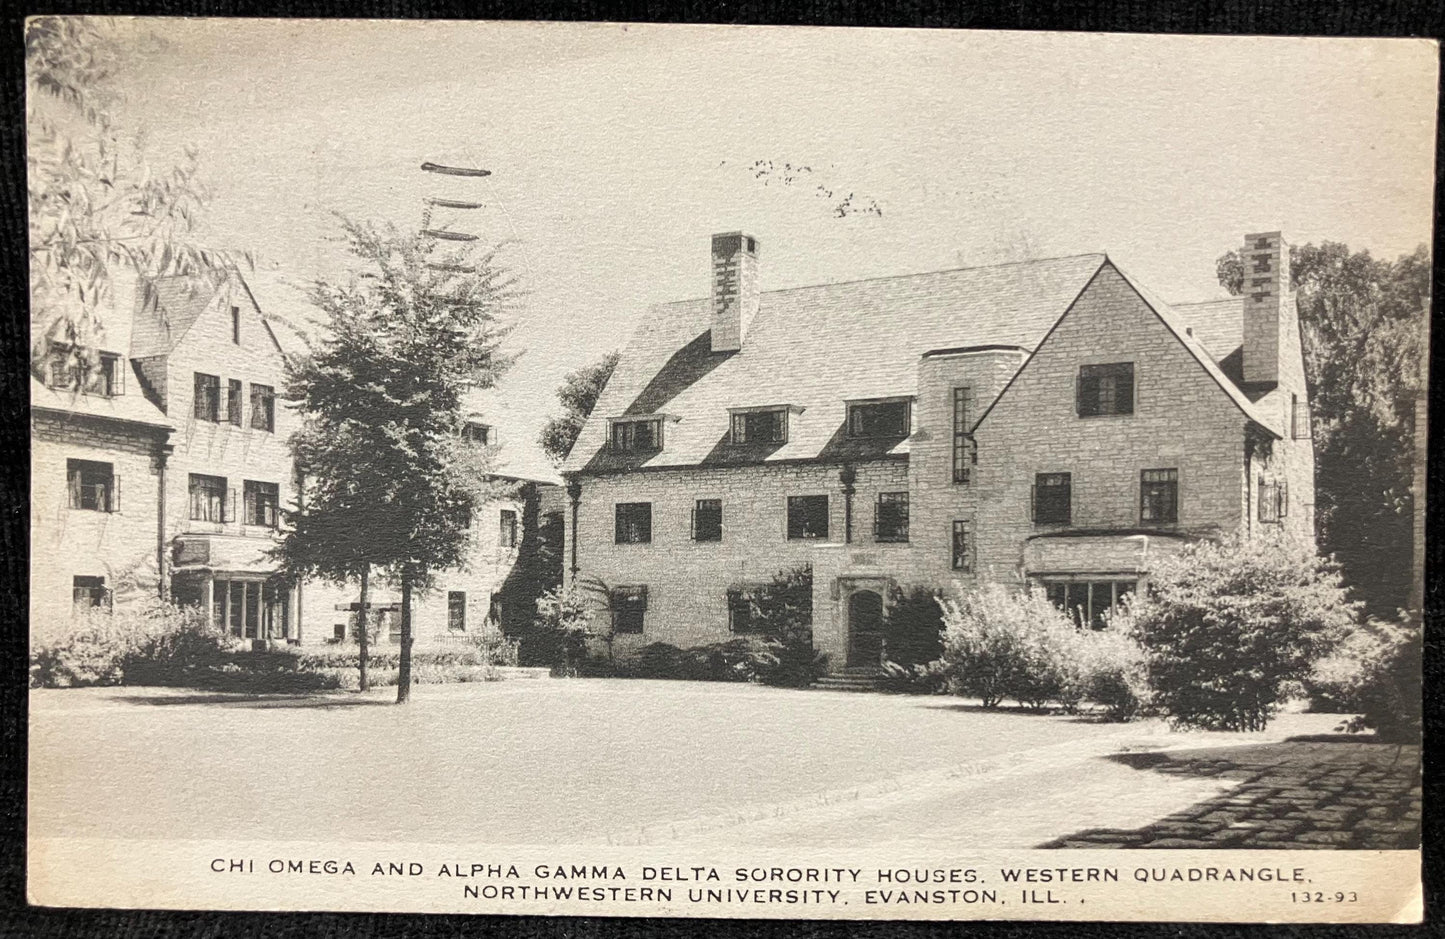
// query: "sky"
[[616, 151]]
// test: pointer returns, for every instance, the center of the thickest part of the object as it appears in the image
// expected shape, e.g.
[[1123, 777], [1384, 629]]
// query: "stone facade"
[[191, 521], [121, 545], [1239, 456]]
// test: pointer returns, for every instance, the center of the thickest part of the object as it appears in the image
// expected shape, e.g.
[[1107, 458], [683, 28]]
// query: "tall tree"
[[389, 483], [578, 394], [95, 205], [1363, 323]]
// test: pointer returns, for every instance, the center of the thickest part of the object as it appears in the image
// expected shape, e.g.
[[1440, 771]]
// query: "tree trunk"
[[361, 618], [403, 672]]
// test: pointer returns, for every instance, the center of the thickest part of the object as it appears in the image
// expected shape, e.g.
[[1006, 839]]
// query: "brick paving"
[[1305, 793]]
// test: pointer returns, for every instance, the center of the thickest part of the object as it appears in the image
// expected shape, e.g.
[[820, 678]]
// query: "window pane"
[[707, 520], [1106, 389], [883, 419], [1052, 498], [456, 609], [634, 523], [891, 519], [961, 554], [808, 517]]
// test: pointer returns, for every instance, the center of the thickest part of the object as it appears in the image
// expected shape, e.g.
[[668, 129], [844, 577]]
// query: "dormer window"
[[104, 376], [477, 433], [640, 436], [760, 426], [890, 418]]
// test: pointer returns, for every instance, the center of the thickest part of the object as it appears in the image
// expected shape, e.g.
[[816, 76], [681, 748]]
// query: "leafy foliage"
[[566, 612], [1230, 627], [1363, 331], [578, 395], [387, 482], [1376, 671], [913, 629], [999, 643], [95, 205], [781, 617], [101, 647]]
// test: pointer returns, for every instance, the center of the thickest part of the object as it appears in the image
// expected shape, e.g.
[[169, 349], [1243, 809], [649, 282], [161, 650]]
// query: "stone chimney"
[[735, 294], [1266, 292]]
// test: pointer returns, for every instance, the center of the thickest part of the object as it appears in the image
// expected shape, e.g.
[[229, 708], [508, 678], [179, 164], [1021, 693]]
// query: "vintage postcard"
[[671, 471]]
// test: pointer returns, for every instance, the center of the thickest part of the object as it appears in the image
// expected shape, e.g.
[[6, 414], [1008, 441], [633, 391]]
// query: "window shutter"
[[117, 385], [73, 480], [228, 511], [1283, 509], [114, 493], [1034, 502], [248, 504], [694, 521]]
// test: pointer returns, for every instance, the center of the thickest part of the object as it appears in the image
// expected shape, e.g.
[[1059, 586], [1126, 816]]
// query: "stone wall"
[[687, 580], [64, 542], [1182, 419]]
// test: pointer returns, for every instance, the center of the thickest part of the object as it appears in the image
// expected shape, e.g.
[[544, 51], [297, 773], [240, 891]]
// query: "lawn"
[[589, 761]]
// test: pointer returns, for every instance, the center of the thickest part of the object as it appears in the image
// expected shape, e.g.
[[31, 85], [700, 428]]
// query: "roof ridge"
[[947, 270]]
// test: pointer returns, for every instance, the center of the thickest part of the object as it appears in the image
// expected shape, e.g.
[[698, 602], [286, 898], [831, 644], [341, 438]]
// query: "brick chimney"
[[1266, 290], [735, 294]]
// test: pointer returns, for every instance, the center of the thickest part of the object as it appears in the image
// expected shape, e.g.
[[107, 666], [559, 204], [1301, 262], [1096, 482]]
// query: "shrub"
[[1375, 671], [1229, 626], [999, 643], [1107, 667], [564, 613], [104, 647], [913, 629]]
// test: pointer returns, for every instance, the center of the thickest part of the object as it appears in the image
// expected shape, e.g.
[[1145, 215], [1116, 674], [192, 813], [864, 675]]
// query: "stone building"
[[1048, 422], [166, 471]]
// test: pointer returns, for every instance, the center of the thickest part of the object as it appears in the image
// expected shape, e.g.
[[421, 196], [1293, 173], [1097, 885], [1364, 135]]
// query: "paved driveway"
[[590, 761]]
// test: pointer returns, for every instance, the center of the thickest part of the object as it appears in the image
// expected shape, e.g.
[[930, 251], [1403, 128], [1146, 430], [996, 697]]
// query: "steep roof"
[[133, 407], [814, 348], [1195, 344], [165, 310], [516, 454]]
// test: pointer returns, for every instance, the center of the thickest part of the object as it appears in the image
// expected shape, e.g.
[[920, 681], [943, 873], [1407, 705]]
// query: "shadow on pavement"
[[254, 701], [1318, 791]]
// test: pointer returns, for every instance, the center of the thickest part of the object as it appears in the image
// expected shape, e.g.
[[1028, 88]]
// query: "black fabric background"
[[1267, 17]]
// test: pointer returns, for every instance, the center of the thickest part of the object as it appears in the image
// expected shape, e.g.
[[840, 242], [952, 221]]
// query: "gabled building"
[[166, 470], [1048, 422]]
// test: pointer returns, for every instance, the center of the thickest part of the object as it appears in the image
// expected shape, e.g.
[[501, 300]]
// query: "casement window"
[[808, 517], [1159, 495], [1052, 498], [93, 486], [637, 436], [634, 523], [962, 546], [89, 593], [262, 503], [1087, 601], [105, 376], [768, 426], [494, 607], [338, 632], [263, 408], [392, 622], [629, 609], [1106, 389], [457, 610], [879, 419], [236, 325], [208, 398], [964, 454], [1273, 499], [507, 536], [477, 433], [740, 612], [208, 498], [233, 402], [890, 517], [1299, 419], [707, 520]]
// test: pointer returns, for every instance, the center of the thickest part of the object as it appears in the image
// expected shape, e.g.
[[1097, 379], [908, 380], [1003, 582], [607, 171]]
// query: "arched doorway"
[[865, 629]]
